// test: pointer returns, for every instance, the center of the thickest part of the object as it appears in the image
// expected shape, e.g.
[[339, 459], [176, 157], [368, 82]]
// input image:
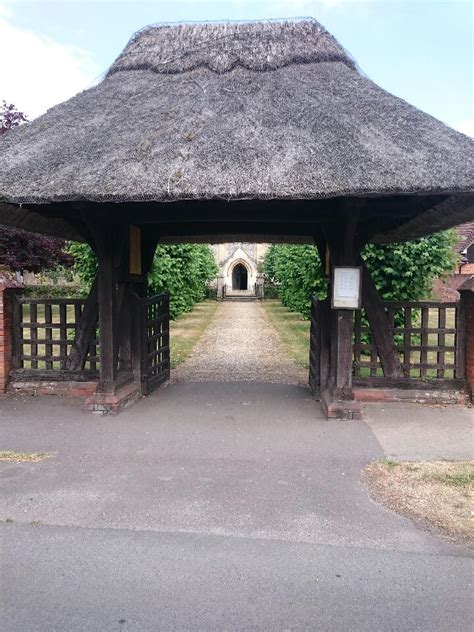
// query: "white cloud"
[[466, 127], [5, 11], [37, 72]]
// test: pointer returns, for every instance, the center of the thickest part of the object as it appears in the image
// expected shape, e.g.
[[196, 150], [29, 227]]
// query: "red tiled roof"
[[466, 236]]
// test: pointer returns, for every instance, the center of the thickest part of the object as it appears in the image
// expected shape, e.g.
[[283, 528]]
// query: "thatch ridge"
[[263, 114], [222, 46]]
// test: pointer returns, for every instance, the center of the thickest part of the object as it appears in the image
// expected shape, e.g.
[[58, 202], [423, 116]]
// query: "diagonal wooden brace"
[[84, 332], [379, 325]]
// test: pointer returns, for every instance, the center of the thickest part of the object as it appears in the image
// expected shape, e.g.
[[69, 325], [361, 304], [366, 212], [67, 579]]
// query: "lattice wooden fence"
[[155, 341], [44, 331], [429, 338]]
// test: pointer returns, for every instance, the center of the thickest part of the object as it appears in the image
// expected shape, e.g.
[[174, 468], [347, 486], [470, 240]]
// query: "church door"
[[239, 277]]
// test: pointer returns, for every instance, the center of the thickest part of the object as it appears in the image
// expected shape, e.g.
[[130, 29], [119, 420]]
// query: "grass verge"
[[435, 493], [21, 457], [186, 330], [292, 328]]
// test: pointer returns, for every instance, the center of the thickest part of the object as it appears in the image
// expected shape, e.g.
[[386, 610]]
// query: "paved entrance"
[[207, 507], [241, 345]]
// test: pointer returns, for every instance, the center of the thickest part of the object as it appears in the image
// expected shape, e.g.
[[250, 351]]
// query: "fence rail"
[[155, 341], [44, 332], [428, 336]]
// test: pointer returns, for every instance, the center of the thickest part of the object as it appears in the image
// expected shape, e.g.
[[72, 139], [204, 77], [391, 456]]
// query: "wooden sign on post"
[[135, 250], [346, 287]]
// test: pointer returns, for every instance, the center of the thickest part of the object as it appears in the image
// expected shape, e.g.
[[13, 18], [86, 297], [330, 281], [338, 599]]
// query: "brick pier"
[[467, 296], [8, 285]]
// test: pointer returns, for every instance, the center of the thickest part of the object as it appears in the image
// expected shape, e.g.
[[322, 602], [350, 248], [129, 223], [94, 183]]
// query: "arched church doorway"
[[239, 277]]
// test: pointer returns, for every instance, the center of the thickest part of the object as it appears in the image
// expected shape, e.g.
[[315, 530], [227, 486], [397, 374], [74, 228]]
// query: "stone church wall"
[[229, 255]]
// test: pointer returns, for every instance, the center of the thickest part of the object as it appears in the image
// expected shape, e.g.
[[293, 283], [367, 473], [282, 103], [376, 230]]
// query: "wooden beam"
[[379, 325], [84, 332], [107, 248], [107, 321], [325, 346], [124, 330], [343, 374], [148, 252], [336, 324]]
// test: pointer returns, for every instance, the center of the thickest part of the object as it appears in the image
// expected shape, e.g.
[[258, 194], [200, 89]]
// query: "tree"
[[406, 271], [297, 273], [183, 271], [21, 250], [10, 117], [84, 262], [401, 272]]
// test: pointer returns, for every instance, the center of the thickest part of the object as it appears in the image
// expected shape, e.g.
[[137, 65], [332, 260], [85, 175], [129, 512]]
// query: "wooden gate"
[[314, 349], [155, 328], [429, 339], [44, 331]]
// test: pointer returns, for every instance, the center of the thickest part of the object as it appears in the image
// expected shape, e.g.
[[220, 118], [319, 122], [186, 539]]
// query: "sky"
[[420, 50]]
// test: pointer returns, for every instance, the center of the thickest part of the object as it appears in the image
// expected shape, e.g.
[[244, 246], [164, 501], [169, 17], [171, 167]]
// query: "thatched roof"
[[263, 111]]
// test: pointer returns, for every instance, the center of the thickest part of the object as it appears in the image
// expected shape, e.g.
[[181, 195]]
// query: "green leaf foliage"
[[297, 274], [401, 272], [183, 271], [405, 271], [85, 262]]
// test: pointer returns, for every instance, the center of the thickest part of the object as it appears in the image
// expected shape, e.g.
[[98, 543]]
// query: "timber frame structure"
[[220, 151]]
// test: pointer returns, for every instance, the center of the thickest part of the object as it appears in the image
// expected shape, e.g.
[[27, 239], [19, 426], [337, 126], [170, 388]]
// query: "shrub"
[[183, 271], [296, 272], [22, 250], [54, 291], [400, 271]]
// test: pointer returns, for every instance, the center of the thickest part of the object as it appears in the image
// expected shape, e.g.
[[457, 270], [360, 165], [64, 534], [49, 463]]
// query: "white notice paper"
[[346, 291]]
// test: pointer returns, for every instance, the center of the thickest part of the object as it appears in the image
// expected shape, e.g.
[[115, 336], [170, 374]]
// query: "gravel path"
[[240, 345]]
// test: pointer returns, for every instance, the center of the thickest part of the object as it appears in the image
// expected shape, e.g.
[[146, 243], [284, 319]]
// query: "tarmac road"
[[213, 507]]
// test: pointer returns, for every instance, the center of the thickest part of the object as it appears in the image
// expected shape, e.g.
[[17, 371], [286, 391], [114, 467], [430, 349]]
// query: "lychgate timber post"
[[261, 131]]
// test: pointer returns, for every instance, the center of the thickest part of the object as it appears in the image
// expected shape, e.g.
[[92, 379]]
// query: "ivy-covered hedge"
[[54, 291], [182, 270], [400, 271], [297, 275], [85, 262]]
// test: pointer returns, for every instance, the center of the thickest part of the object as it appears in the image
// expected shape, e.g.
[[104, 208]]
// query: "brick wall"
[[467, 296], [446, 290], [470, 341], [467, 268], [5, 337], [8, 286]]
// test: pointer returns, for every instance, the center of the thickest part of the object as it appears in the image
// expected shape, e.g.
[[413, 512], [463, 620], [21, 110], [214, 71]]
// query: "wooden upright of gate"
[[44, 332], [429, 337], [314, 348], [155, 340], [429, 340]]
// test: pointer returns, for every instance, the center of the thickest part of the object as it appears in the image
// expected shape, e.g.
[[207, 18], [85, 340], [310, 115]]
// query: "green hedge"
[[54, 291], [211, 293], [183, 271], [401, 272]]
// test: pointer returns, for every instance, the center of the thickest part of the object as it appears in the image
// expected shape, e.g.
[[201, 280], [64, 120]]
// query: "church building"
[[240, 268]]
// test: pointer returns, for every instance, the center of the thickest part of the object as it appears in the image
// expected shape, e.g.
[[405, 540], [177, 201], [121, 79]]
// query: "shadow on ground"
[[207, 507]]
